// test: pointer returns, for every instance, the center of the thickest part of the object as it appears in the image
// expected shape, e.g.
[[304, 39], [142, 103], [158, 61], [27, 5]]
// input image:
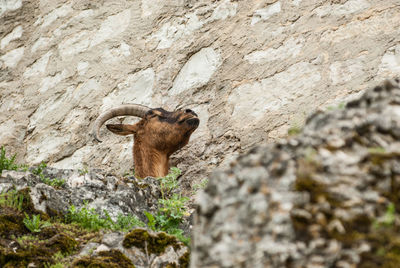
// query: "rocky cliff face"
[[326, 198], [250, 69]]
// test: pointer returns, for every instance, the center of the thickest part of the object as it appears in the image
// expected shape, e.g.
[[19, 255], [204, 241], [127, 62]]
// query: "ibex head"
[[159, 134]]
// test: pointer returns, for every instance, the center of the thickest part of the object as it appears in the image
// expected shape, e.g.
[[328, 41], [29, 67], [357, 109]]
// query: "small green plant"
[[296, 124], [39, 169], [35, 225], [27, 240], [160, 222], [169, 182], [57, 257], [171, 209], [388, 219], [294, 130], [178, 233], [174, 207], [310, 155], [126, 223], [84, 170], [52, 182], [339, 106], [9, 163], [23, 167], [200, 186], [152, 222], [87, 218], [5, 162], [376, 150], [12, 199], [129, 173], [57, 265], [90, 219]]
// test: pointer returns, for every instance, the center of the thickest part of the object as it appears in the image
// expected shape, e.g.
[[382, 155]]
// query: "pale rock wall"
[[250, 69]]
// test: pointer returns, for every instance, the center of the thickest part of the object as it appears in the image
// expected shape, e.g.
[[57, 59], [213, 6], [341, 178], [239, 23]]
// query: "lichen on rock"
[[327, 197]]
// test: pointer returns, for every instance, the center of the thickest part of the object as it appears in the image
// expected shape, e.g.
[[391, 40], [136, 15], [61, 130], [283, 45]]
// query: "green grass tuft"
[[5, 162], [91, 220], [12, 199]]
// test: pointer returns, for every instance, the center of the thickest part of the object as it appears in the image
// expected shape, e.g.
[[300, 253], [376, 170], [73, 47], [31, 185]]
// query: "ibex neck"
[[149, 162]]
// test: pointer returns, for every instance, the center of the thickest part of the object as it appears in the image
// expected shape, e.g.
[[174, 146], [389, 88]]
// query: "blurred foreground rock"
[[325, 198]]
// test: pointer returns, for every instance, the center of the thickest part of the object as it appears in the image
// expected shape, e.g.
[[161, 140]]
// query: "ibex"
[[156, 136]]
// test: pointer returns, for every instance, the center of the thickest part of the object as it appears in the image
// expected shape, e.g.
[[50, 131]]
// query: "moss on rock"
[[27, 205], [385, 251], [184, 260], [359, 229], [37, 251], [11, 223], [61, 242], [304, 178], [154, 243], [19, 247], [104, 259]]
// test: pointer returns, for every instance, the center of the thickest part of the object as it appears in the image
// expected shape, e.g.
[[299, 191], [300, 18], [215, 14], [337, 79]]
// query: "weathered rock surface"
[[321, 199], [250, 69], [95, 190], [143, 247]]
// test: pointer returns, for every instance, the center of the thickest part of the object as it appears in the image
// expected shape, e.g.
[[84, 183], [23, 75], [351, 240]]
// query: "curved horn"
[[125, 109]]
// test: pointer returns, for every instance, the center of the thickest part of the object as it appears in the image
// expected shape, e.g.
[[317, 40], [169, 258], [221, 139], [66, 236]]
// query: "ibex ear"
[[122, 129]]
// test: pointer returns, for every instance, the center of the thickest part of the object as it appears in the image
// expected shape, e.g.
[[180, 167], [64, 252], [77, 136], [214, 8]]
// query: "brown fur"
[[158, 135]]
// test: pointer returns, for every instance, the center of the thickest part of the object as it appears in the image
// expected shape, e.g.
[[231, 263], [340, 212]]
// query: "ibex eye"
[[188, 111]]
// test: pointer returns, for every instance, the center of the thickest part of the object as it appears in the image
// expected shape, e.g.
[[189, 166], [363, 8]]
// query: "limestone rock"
[[96, 189], [251, 69]]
